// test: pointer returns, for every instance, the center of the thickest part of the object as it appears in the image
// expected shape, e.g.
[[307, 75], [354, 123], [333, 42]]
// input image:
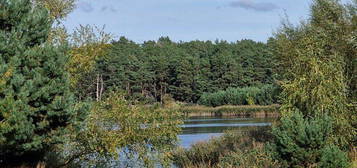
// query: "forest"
[[87, 99], [185, 70]]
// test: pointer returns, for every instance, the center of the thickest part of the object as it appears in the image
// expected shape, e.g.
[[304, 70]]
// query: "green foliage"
[[233, 149], [256, 157], [35, 100], [184, 70], [333, 157], [317, 74], [115, 129], [265, 95], [88, 45], [300, 142]]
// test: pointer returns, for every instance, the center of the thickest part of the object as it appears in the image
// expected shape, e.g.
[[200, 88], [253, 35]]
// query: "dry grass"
[[229, 110], [233, 149]]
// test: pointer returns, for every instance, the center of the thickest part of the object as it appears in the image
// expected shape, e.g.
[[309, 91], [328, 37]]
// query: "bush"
[[268, 95], [115, 129], [257, 157], [333, 157], [243, 149], [300, 142], [264, 95]]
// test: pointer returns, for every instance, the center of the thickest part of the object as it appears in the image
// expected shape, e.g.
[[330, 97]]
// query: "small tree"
[[114, 129], [316, 58], [35, 101], [300, 142]]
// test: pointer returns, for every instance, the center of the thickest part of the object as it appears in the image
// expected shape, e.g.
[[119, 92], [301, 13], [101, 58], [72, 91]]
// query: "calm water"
[[202, 129]]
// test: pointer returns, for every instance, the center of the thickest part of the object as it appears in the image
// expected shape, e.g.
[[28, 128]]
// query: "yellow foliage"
[[5, 76], [8, 73], [114, 124], [83, 59], [59, 9]]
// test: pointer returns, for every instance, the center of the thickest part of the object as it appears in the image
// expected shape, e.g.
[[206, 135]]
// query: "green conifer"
[[35, 100]]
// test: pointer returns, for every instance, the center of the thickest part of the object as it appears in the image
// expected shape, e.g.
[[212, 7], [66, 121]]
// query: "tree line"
[[184, 70]]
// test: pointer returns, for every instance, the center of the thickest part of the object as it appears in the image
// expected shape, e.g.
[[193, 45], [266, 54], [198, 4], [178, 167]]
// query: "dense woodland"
[[76, 99], [183, 70]]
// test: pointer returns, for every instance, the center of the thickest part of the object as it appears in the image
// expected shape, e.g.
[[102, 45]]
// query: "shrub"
[[115, 129], [256, 157], [268, 94], [264, 95], [332, 156], [300, 142], [243, 148]]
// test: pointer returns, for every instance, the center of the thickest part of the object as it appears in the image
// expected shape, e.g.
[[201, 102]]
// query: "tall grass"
[[233, 149], [229, 110], [264, 95]]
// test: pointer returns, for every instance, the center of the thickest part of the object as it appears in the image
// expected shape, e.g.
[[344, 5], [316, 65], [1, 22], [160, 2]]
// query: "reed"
[[253, 111], [233, 149]]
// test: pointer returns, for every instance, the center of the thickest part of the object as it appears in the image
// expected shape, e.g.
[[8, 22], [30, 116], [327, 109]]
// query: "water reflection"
[[202, 129]]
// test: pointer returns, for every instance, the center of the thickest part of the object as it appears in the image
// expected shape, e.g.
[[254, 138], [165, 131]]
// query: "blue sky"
[[185, 20]]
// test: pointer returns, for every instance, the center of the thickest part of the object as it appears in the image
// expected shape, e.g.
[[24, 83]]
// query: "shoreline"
[[253, 111]]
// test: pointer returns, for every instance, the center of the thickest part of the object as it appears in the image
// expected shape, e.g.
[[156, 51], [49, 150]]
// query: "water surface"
[[198, 129]]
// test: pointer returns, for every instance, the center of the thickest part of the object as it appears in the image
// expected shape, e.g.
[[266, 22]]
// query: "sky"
[[186, 20]]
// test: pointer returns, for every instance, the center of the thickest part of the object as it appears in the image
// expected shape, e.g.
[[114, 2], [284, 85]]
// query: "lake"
[[197, 129]]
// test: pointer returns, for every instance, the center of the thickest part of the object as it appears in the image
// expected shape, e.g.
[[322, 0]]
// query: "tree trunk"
[[97, 94], [128, 88], [142, 89], [161, 92], [101, 87]]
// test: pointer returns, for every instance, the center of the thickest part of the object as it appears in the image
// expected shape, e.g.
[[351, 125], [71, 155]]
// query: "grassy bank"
[[241, 111], [233, 149], [254, 148]]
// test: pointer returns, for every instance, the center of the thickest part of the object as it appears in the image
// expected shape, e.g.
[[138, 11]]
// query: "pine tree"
[[35, 101]]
